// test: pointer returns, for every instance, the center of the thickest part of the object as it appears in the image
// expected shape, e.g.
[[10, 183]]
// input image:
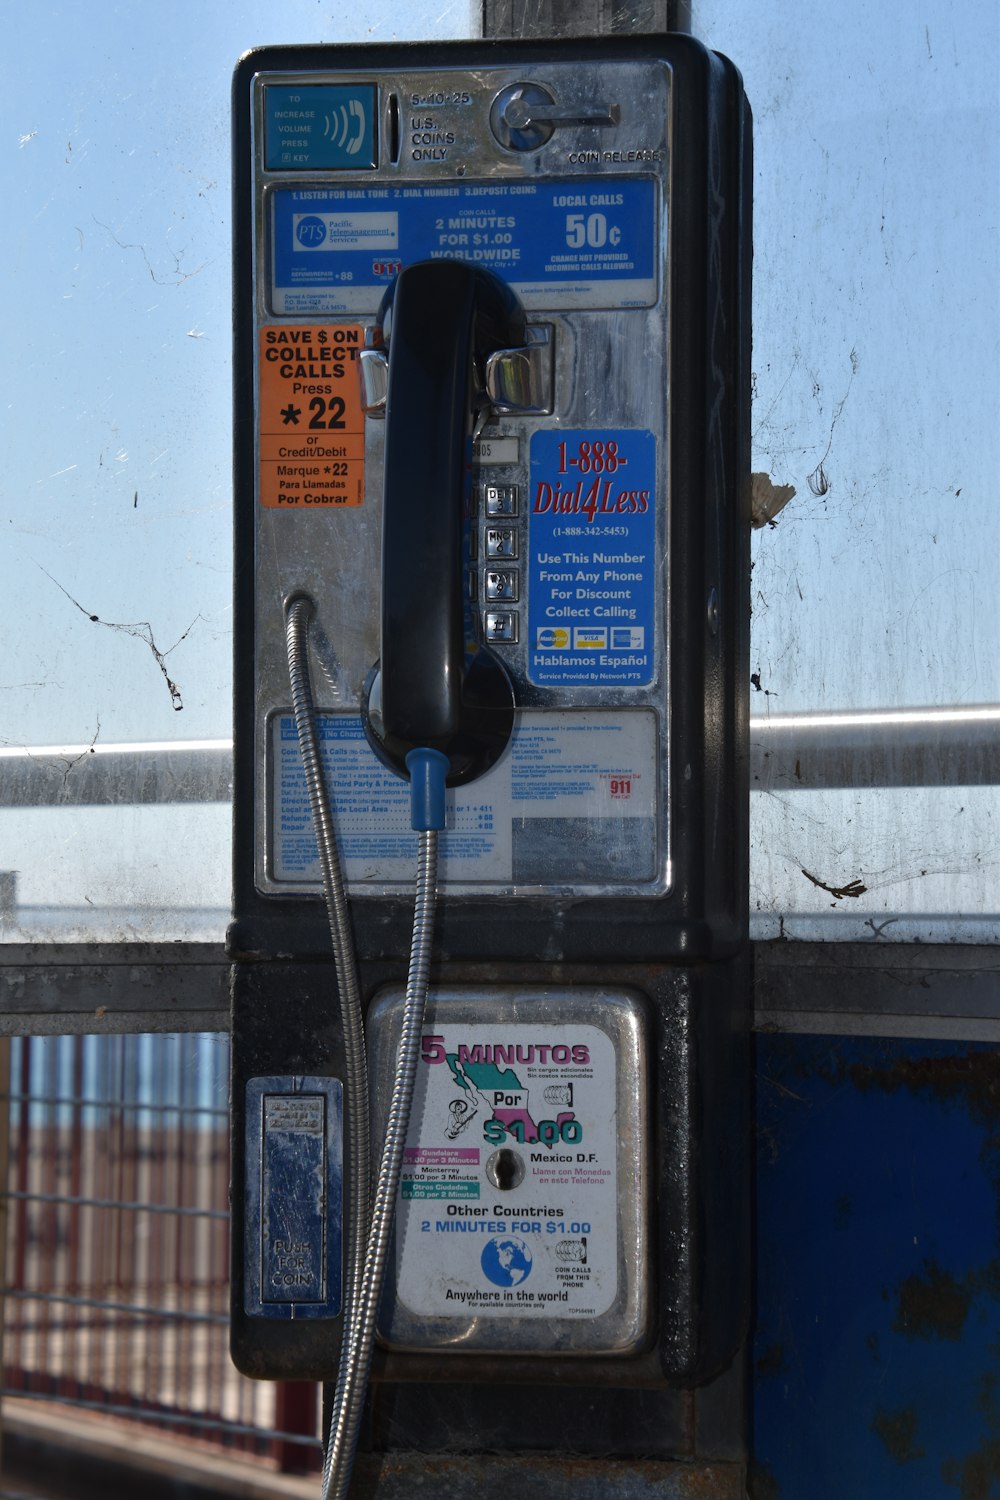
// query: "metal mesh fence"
[[116, 1286]]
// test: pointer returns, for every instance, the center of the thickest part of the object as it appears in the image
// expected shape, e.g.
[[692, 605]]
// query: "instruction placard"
[[580, 242], [573, 801], [508, 1199], [312, 435]]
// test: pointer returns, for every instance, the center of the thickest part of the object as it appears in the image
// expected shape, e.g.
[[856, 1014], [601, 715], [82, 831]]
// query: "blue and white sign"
[[592, 558], [319, 126], [589, 243]]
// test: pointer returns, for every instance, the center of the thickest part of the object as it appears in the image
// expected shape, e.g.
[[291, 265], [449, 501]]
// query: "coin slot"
[[392, 128], [505, 1169]]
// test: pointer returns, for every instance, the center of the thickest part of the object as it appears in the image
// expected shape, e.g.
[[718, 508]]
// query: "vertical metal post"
[[8, 916], [4, 1177], [17, 1280], [295, 1416], [522, 19], [74, 1273]]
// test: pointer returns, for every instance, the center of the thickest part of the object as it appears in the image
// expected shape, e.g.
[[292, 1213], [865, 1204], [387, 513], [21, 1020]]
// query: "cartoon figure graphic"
[[462, 1112]]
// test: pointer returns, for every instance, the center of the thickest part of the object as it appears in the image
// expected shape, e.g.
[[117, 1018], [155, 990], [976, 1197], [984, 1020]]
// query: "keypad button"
[[500, 625], [501, 584], [500, 499], [501, 541]]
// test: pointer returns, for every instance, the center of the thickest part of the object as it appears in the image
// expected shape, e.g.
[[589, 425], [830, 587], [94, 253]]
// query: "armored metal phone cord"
[[356, 1354], [368, 1236], [298, 615]]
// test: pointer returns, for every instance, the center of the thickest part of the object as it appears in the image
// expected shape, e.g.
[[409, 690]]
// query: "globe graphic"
[[506, 1262]]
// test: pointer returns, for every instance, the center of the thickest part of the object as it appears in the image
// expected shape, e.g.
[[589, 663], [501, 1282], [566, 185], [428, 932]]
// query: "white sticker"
[[508, 1199], [572, 786]]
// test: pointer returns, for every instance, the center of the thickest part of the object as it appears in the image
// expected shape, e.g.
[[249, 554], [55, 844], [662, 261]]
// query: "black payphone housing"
[[611, 183]]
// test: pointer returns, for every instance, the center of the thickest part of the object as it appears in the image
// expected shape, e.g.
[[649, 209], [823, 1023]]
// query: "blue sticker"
[[319, 126], [592, 558], [585, 243]]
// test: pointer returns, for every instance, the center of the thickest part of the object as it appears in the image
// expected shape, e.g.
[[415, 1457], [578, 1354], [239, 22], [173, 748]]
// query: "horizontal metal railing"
[[956, 746], [875, 748], [124, 775]]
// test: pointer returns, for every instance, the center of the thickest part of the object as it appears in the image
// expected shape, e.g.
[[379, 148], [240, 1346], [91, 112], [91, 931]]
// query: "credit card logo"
[[628, 638], [551, 638]]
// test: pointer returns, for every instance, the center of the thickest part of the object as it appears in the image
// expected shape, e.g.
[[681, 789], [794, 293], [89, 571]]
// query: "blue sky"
[[876, 335], [116, 491]]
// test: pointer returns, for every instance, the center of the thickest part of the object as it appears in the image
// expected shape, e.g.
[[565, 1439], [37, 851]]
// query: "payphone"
[[491, 399]]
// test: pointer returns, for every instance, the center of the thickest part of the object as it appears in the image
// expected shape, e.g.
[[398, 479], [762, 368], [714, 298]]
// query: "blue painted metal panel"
[[877, 1346]]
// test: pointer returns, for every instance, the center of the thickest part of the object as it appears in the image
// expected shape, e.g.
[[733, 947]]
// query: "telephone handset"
[[441, 320]]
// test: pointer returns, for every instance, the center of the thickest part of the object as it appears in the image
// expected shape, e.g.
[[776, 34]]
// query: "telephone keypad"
[[500, 582]]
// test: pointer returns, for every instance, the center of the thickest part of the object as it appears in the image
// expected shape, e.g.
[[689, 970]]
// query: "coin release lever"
[[520, 113], [524, 116]]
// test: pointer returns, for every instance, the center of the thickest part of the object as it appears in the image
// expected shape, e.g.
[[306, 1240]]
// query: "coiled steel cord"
[[356, 1353], [298, 614], [368, 1234]]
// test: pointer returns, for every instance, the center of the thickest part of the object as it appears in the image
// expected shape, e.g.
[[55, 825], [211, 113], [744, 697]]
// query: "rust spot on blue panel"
[[898, 1431], [772, 1360], [972, 1079], [933, 1305], [763, 1485], [977, 1476]]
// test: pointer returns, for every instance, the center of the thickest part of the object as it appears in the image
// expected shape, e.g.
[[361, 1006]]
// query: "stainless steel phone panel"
[[570, 534]]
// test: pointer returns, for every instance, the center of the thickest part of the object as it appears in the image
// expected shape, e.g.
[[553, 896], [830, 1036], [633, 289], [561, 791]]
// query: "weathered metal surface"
[[702, 1130], [878, 1269], [565, 18], [881, 989], [115, 987], [926, 990], [409, 1476]]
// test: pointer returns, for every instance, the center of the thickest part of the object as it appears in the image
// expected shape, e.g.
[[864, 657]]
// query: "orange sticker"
[[312, 428]]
